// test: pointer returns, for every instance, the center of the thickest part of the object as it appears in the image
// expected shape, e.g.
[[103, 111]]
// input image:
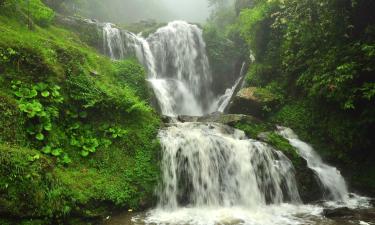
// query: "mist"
[[189, 10], [128, 11]]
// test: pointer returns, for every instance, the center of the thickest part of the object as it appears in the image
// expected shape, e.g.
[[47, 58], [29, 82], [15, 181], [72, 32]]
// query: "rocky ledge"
[[252, 101]]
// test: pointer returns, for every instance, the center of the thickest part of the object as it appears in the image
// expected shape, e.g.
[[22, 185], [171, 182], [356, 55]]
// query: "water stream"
[[211, 173]]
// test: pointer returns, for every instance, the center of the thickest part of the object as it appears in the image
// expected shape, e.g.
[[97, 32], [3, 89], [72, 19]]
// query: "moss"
[[252, 130], [265, 132], [11, 121], [41, 14], [28, 188], [282, 144]]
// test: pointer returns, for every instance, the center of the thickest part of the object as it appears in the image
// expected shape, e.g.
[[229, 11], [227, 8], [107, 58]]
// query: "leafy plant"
[[40, 104]]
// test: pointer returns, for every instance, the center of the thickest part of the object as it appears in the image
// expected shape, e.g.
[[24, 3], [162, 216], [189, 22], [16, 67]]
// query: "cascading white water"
[[113, 42], [213, 174], [178, 68], [222, 102], [215, 165], [181, 61], [330, 177]]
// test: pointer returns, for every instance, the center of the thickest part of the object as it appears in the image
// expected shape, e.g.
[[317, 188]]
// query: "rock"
[[230, 221], [184, 119], [339, 212], [228, 119], [350, 214], [263, 136], [251, 101], [88, 30], [308, 183]]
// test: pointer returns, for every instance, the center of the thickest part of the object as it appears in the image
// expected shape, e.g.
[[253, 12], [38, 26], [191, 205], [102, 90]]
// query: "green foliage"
[[321, 52], [28, 11], [93, 132], [280, 143], [264, 131], [40, 104], [27, 185], [225, 47], [40, 14], [252, 130], [133, 76], [12, 122], [250, 18]]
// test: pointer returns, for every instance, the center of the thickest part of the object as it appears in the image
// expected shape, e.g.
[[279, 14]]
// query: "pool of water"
[[284, 214]]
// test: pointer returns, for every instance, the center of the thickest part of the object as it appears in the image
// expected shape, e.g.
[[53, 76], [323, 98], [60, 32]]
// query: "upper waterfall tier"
[[177, 64]]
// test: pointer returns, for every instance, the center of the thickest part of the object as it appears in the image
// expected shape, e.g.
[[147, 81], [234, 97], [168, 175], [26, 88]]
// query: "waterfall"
[[214, 165], [113, 42], [177, 64], [223, 101], [330, 177], [211, 173], [181, 61]]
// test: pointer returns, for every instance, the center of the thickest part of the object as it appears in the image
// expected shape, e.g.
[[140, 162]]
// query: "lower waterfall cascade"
[[212, 173]]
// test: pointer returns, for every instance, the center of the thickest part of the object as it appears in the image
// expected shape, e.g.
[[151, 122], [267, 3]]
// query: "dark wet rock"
[[227, 119], [308, 183], [185, 119], [352, 214], [339, 212]]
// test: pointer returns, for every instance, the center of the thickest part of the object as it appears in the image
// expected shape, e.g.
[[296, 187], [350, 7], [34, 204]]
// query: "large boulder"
[[252, 101], [308, 183]]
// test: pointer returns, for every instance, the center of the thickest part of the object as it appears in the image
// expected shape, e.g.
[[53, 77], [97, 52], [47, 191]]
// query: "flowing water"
[[212, 173], [178, 68], [332, 182]]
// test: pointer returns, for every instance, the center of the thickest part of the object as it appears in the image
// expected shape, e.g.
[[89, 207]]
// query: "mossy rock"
[[253, 101]]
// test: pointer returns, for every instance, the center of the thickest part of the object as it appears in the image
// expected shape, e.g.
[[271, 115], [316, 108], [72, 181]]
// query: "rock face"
[[89, 31], [308, 184], [248, 102]]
